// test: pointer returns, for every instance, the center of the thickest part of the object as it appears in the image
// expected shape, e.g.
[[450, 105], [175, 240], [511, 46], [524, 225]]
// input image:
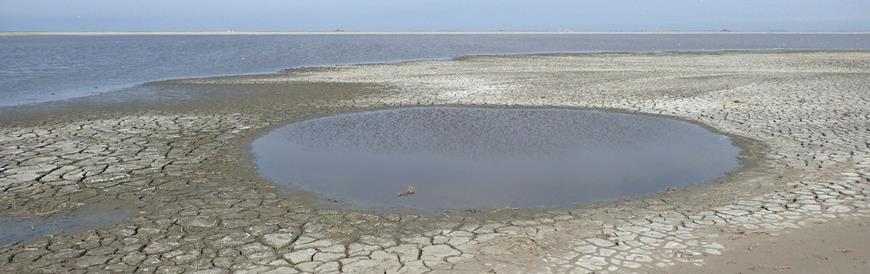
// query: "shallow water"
[[460, 158], [49, 68], [22, 230]]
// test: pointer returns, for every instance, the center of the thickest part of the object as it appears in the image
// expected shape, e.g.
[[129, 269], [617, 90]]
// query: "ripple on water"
[[490, 158]]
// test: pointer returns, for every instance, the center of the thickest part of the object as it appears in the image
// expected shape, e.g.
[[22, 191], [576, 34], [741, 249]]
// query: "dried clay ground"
[[178, 160]]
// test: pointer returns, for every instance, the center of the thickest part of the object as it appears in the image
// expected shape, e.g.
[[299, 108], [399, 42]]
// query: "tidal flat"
[[181, 161]]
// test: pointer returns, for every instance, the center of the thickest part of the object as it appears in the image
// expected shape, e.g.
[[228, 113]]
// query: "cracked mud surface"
[[182, 167]]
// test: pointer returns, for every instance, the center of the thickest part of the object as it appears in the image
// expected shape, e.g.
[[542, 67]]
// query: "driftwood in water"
[[408, 192]]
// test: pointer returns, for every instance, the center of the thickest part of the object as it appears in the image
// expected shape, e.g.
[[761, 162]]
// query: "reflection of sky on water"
[[50, 68], [432, 15], [15, 230], [488, 158]]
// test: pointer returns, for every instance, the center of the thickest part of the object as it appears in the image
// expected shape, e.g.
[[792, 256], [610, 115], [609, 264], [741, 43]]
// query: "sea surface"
[[37, 69]]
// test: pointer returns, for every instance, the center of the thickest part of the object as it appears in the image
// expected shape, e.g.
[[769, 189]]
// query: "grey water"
[[37, 69], [480, 158], [22, 230]]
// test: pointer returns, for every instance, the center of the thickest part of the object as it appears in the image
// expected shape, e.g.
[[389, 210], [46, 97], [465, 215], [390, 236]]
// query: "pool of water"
[[481, 158], [22, 230]]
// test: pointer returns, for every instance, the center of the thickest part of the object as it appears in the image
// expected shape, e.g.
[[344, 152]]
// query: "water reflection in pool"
[[23, 230], [490, 158]]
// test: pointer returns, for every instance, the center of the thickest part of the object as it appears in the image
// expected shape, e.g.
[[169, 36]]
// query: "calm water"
[[490, 158], [46, 68], [20, 230]]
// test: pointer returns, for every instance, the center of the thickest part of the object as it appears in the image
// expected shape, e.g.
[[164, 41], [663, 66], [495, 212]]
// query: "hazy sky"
[[433, 15]]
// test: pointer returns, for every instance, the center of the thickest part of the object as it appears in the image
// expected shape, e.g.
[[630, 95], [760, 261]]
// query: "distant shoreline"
[[131, 33]]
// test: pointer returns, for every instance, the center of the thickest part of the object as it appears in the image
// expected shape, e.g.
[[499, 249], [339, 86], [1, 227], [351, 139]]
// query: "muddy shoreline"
[[751, 155]]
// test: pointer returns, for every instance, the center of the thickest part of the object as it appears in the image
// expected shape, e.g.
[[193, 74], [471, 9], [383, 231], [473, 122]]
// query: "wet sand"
[[836, 246], [180, 157]]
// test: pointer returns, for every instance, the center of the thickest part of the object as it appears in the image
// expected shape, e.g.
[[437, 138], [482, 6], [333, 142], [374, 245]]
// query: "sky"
[[434, 15]]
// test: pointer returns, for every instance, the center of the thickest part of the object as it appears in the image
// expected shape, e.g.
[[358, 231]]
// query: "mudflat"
[[179, 161]]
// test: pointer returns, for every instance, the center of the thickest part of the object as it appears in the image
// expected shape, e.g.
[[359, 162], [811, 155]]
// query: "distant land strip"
[[32, 33]]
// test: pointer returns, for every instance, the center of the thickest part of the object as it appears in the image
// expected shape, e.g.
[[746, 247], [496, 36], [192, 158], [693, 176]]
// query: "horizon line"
[[97, 33]]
